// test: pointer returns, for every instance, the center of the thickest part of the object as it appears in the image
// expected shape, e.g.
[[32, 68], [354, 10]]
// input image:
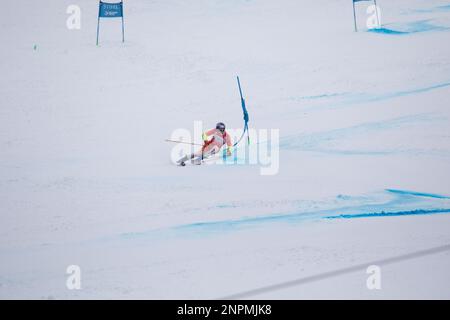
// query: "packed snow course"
[[86, 176]]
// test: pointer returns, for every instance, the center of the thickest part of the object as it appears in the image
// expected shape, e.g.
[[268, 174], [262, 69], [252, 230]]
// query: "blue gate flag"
[[110, 10], [244, 111]]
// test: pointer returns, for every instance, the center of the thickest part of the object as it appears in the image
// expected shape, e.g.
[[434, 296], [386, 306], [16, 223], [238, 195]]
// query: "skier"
[[210, 147]]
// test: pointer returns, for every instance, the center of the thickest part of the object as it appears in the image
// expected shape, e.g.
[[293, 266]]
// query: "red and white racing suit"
[[213, 145]]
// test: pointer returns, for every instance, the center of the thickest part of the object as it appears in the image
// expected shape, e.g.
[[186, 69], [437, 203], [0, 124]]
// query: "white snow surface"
[[86, 177]]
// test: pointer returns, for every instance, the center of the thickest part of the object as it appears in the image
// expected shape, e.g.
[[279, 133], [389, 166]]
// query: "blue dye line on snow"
[[427, 10], [405, 92], [389, 214], [443, 8], [228, 224], [365, 97], [225, 206], [359, 98], [312, 142], [322, 96], [404, 203], [410, 28], [297, 217], [418, 194], [403, 198], [387, 31]]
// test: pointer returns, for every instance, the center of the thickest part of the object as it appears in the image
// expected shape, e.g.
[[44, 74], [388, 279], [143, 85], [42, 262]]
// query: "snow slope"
[[86, 177]]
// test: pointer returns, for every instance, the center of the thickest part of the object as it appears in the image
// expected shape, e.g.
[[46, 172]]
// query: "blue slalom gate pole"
[[98, 23], [123, 26]]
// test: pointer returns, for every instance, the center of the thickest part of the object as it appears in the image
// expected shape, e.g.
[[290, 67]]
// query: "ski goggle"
[[220, 127]]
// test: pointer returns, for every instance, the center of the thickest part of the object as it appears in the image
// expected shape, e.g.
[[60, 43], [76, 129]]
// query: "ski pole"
[[177, 141]]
